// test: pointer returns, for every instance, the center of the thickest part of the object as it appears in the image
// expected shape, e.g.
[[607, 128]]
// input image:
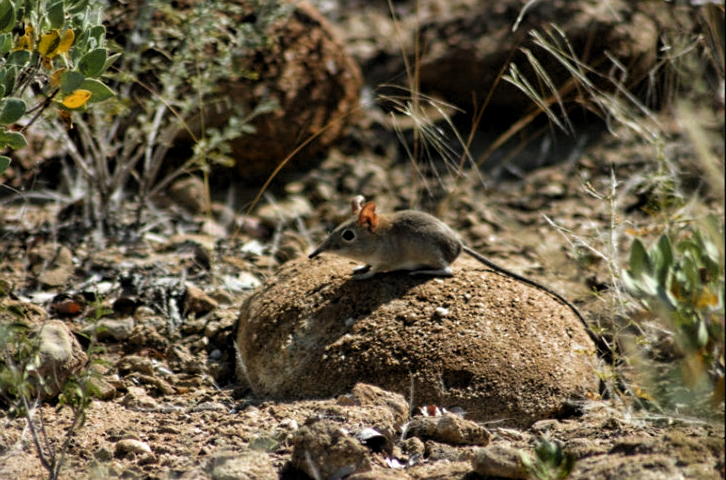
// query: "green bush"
[[51, 54], [683, 284]]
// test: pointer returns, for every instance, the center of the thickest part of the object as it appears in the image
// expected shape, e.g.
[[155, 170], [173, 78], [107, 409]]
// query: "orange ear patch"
[[368, 217]]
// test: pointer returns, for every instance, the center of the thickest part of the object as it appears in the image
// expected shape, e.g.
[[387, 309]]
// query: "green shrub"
[[550, 461], [682, 282], [52, 54]]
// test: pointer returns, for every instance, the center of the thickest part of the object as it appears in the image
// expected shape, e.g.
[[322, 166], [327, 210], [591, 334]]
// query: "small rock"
[[248, 465], [181, 359], [413, 446], [325, 450], [143, 312], [436, 452], [129, 445], [137, 398], [292, 245], [57, 276], [148, 336], [60, 354], [544, 426], [111, 329], [553, 190], [214, 229], [248, 281], [135, 364], [198, 302], [253, 247], [104, 390], [52, 263], [364, 394], [103, 454], [189, 193], [448, 428], [499, 461]]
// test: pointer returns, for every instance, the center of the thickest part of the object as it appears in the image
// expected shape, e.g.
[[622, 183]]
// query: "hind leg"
[[440, 272]]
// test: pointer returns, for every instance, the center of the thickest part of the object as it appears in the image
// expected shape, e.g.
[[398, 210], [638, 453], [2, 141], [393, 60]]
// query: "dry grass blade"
[[543, 105], [422, 114], [552, 89], [520, 124], [577, 68]]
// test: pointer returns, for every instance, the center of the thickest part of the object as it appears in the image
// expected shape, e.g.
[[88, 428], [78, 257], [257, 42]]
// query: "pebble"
[[129, 445], [499, 461]]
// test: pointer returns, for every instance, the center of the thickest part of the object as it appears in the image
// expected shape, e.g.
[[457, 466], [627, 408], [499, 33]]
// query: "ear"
[[368, 218], [356, 204]]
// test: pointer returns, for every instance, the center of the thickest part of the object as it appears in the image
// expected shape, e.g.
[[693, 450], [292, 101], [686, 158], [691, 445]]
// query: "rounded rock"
[[505, 350]]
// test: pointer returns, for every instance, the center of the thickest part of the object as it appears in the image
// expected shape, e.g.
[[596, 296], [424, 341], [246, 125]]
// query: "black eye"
[[348, 235]]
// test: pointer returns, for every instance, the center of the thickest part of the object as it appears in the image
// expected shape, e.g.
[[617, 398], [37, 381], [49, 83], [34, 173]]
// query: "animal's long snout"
[[317, 252]]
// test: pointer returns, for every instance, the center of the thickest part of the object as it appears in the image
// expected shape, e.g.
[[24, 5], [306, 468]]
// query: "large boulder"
[[479, 340], [303, 74], [461, 47]]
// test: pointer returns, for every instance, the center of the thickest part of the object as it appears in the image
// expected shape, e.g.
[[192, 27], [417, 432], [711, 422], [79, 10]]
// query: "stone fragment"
[[247, 465], [499, 461], [324, 449], [448, 428]]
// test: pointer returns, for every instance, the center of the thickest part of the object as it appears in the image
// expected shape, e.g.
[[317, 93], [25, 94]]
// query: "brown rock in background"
[[303, 69], [463, 46]]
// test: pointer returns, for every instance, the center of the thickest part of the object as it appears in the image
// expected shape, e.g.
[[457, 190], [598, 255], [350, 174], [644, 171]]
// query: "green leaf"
[[7, 16], [111, 60], [14, 140], [11, 110], [71, 81], [665, 296], [639, 261], [710, 252], [6, 43], [19, 57], [690, 269], [7, 78], [628, 282], [665, 249], [92, 64], [99, 34], [4, 164], [648, 285], [664, 258], [56, 15], [99, 90]]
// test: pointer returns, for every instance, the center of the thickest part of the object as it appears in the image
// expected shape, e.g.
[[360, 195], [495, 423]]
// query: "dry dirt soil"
[[168, 371], [170, 403]]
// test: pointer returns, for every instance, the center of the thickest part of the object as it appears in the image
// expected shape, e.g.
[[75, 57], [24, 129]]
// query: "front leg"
[[361, 269], [363, 272]]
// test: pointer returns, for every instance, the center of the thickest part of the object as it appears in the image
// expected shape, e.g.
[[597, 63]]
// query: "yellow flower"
[[76, 99]]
